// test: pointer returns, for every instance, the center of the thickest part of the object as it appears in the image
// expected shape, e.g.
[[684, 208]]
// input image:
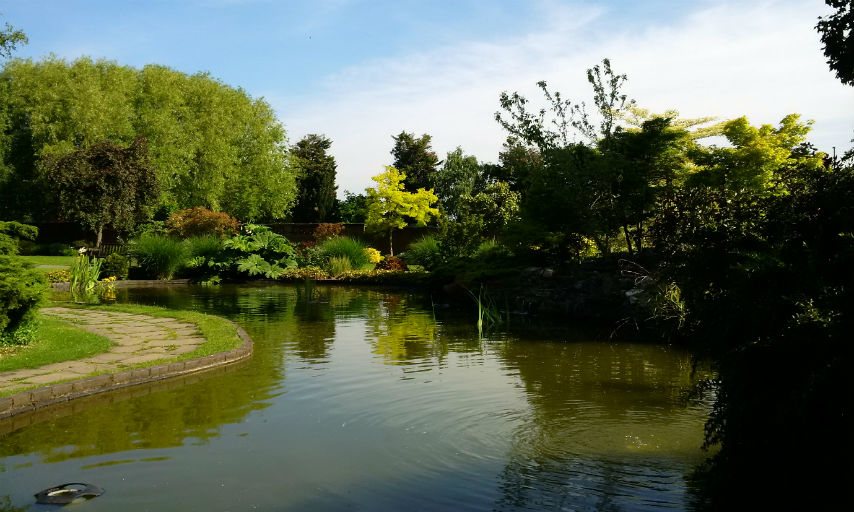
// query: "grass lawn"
[[65, 261], [56, 341]]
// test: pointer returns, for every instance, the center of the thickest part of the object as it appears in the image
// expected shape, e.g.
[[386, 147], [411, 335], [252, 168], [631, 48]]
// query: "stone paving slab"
[[137, 339]]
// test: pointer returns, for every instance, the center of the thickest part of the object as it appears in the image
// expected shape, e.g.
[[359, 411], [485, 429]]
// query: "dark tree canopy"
[[316, 186], [104, 184], [416, 159], [837, 35]]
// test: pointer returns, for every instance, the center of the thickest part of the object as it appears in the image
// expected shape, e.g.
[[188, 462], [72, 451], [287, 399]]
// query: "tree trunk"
[[628, 239], [390, 248]]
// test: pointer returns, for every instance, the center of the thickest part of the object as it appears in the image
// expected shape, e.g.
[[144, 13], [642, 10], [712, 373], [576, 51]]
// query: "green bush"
[[22, 291], [425, 252], [158, 256], [115, 265], [352, 249]]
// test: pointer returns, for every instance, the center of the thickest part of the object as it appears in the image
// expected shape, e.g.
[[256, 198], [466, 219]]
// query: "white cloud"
[[761, 59]]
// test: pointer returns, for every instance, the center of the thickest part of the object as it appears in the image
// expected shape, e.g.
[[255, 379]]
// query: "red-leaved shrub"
[[391, 263], [200, 221], [327, 230]]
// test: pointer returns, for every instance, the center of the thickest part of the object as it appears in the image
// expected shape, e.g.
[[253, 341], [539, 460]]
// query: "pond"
[[371, 399]]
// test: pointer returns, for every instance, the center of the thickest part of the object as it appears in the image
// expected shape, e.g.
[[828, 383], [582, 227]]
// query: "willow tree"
[[391, 207], [210, 144]]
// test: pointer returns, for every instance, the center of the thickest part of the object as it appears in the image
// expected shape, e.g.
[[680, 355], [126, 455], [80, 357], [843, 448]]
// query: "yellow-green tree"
[[390, 207]]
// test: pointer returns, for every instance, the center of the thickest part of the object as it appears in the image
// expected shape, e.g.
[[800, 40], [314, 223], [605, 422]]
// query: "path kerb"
[[138, 339]]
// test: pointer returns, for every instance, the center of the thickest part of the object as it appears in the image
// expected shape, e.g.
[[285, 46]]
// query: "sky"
[[361, 71]]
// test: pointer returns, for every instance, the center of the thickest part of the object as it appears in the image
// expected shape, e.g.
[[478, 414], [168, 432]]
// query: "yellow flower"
[[373, 255]]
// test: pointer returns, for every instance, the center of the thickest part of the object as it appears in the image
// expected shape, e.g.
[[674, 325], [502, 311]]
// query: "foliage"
[[390, 262], [459, 176], [21, 288], [373, 255], [301, 273], [341, 247], [22, 291], [200, 221], [326, 230], [159, 256], [425, 252], [339, 264], [415, 159], [104, 184], [84, 278], [10, 38], [390, 207], [353, 208], [115, 265], [58, 276], [259, 251], [210, 144], [837, 35], [316, 187]]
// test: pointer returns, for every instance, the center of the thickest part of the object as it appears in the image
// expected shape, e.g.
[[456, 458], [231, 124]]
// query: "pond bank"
[[139, 340]]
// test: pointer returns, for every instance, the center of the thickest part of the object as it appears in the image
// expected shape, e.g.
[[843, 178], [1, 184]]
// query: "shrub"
[[208, 247], [58, 276], [392, 263], [201, 221], [158, 256], [304, 273], [21, 293], [373, 255], [115, 265], [339, 264], [325, 230], [425, 252], [308, 255], [352, 249]]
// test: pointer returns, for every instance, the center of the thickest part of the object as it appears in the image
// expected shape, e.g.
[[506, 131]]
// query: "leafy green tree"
[[415, 158], [210, 144], [353, 208], [459, 176], [391, 207], [316, 185], [22, 289], [10, 38], [837, 35], [104, 184]]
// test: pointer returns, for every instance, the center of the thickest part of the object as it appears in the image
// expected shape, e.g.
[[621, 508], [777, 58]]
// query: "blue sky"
[[361, 71]]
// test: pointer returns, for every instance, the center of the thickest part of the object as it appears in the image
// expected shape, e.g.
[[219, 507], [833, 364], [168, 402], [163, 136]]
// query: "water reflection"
[[367, 399]]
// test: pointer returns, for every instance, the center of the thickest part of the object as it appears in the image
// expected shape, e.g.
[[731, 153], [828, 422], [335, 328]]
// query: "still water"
[[366, 399]]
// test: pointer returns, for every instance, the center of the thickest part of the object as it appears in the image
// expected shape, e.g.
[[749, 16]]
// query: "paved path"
[[137, 338]]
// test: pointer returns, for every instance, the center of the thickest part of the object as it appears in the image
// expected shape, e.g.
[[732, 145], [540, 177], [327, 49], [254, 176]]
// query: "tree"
[[316, 184], [353, 208], [104, 184], [211, 145], [390, 207], [10, 38], [460, 175], [837, 35], [415, 159]]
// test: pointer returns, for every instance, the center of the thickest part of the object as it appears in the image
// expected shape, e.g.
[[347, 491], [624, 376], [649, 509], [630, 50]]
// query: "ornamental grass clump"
[[425, 252], [84, 278], [158, 256], [350, 248]]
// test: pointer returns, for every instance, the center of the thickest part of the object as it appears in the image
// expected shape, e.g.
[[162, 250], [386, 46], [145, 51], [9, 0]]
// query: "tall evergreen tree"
[[416, 159], [316, 187]]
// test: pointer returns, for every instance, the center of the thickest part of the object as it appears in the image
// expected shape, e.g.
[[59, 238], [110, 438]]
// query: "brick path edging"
[[65, 391]]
